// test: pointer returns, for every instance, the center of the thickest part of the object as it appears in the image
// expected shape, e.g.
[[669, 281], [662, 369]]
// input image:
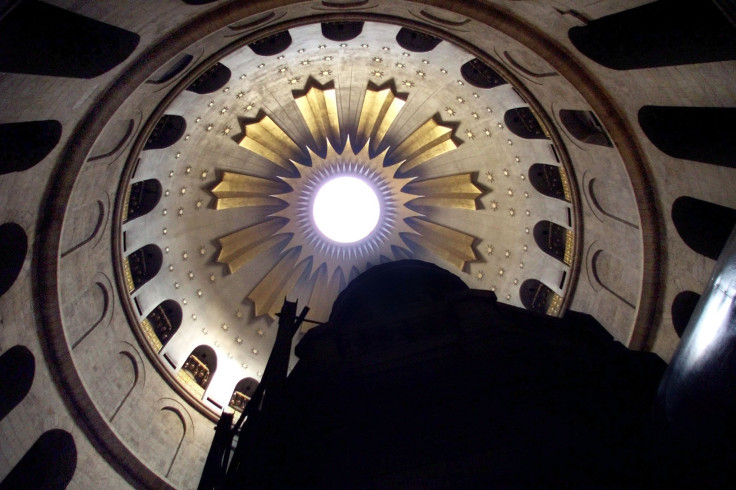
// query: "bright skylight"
[[346, 209]]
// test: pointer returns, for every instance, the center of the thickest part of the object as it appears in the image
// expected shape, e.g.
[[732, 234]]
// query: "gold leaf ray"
[[267, 139], [239, 248], [379, 111], [455, 191], [451, 245], [429, 140], [269, 292], [239, 190], [318, 107]]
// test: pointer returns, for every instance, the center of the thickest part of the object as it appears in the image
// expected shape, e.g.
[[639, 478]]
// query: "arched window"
[[341, 31], [536, 296], [242, 393], [144, 264], [199, 368], [683, 307], [213, 79], [144, 196], [703, 134], [17, 368], [549, 180], [272, 45], [480, 75], [162, 323], [24, 144], [167, 131], [554, 240], [416, 41], [40, 39], [13, 248], [49, 463], [660, 33], [702, 225], [522, 122], [584, 126]]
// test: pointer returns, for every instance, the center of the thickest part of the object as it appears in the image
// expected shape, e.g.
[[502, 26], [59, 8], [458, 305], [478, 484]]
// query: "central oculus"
[[346, 209]]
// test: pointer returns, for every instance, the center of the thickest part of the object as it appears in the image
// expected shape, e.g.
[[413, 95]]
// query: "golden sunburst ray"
[[452, 191], [318, 106], [381, 107], [286, 201], [238, 190]]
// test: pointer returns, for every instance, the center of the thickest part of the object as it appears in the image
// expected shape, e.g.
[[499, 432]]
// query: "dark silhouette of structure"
[[417, 381]]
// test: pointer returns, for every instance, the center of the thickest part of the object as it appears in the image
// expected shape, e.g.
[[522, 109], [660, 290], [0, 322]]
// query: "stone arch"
[[127, 373], [547, 180], [702, 225], [662, 33], [615, 277], [523, 123], [682, 309], [143, 197], [144, 264], [416, 41], [24, 144], [601, 201], [174, 429], [585, 127], [13, 249], [174, 69], [272, 45], [73, 45], [18, 367], [702, 134], [479, 74], [85, 313], [113, 139], [49, 463], [341, 31], [211, 80], [85, 223], [168, 130], [553, 240], [537, 296]]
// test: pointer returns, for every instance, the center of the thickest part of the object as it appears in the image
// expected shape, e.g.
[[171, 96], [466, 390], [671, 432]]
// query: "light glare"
[[346, 209]]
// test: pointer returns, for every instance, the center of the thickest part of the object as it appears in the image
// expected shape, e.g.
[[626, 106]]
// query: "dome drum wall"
[[86, 322], [217, 121], [142, 298]]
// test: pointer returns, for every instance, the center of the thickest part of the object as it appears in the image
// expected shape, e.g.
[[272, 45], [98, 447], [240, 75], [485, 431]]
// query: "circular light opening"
[[346, 209]]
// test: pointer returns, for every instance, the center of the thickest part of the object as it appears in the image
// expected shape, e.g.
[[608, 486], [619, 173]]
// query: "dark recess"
[[168, 130], [272, 45], [212, 80], [703, 134], [24, 144], [663, 33], [416, 41], [480, 75], [13, 248], [683, 307], [341, 31], [40, 39], [18, 367], [702, 225], [49, 464]]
